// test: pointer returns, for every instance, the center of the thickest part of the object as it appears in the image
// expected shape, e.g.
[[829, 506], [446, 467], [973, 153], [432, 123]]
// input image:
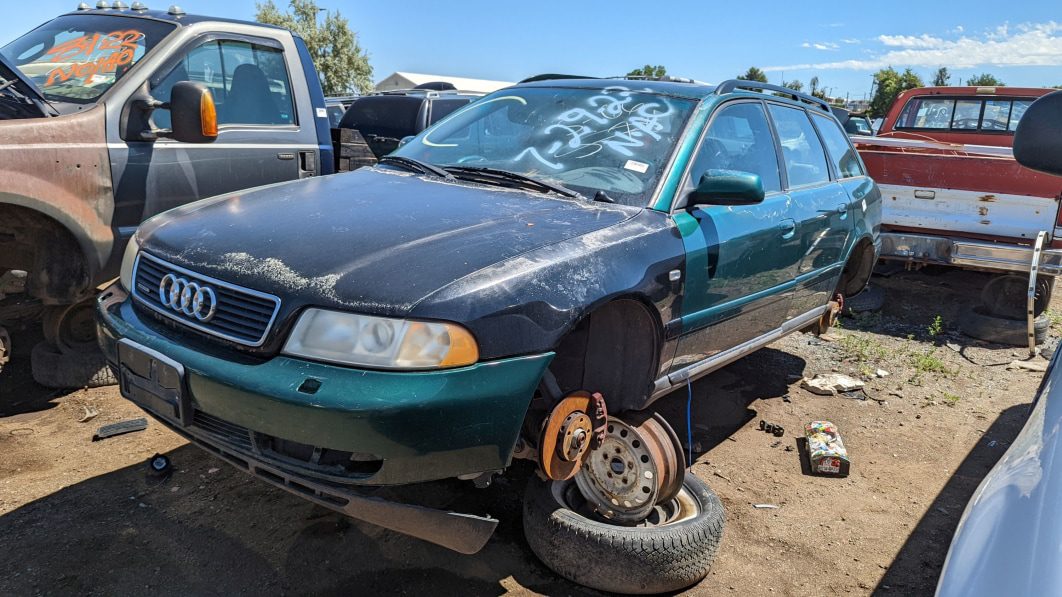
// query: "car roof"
[[675, 88], [162, 15]]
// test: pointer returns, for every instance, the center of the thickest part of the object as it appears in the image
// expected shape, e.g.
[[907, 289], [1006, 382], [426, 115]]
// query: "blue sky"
[[1020, 42]]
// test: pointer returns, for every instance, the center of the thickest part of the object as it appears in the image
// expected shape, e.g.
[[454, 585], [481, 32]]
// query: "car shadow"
[[719, 402], [916, 568]]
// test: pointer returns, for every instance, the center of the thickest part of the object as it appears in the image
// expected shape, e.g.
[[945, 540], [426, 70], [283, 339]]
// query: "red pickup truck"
[[953, 193]]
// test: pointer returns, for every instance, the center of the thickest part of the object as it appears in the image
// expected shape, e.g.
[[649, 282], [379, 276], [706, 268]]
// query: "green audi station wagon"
[[522, 280]]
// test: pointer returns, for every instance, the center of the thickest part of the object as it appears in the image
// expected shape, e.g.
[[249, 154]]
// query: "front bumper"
[[400, 427], [987, 256]]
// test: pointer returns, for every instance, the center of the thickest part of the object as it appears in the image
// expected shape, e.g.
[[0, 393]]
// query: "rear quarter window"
[[839, 148]]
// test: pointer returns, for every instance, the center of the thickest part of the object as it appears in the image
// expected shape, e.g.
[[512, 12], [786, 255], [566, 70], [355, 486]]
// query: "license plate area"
[[153, 381]]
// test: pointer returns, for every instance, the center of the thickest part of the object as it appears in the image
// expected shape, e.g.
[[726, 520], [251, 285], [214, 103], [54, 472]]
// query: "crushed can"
[[826, 452]]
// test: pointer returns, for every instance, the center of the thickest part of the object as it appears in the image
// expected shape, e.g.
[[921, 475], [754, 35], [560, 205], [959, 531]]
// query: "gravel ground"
[[83, 517]]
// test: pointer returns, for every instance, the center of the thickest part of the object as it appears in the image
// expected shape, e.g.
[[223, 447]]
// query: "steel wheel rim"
[[633, 469]]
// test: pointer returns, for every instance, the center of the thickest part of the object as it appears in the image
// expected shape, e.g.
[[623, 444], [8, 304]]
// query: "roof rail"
[[732, 84], [553, 76]]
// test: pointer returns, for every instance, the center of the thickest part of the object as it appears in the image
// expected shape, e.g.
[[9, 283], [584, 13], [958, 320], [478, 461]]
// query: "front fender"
[[526, 304]]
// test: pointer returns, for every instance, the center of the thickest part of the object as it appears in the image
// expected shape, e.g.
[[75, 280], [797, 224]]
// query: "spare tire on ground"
[[672, 550], [977, 323], [54, 369]]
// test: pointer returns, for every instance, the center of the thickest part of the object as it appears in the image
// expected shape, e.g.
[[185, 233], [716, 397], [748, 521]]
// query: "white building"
[[402, 80]]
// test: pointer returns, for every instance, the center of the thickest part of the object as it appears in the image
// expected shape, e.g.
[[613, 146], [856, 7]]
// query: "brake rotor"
[[633, 469], [565, 437]]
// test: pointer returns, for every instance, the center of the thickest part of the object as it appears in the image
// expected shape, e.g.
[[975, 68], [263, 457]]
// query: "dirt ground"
[[83, 517]]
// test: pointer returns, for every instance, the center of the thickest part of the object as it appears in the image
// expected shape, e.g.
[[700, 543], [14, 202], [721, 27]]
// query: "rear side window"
[[249, 81], [838, 147], [394, 116], [739, 138], [442, 108], [805, 160]]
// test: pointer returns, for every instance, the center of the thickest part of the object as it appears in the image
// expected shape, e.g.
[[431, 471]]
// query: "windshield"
[[76, 58], [616, 140]]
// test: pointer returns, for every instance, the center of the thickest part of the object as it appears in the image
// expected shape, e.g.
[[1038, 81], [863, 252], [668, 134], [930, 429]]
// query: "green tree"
[[754, 74], [942, 77], [649, 72], [795, 85], [887, 85], [984, 80], [341, 63]]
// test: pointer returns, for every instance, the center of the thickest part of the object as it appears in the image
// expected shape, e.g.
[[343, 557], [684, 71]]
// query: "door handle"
[[787, 228], [842, 210]]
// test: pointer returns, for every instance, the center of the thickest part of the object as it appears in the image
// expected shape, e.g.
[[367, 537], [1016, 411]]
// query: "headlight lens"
[[128, 259], [366, 340]]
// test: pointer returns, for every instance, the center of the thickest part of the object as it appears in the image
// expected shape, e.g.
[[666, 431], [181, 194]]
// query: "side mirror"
[[727, 187], [1038, 138], [193, 115]]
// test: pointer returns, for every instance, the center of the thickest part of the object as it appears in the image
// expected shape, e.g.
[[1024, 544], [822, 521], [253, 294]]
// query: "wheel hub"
[[633, 468]]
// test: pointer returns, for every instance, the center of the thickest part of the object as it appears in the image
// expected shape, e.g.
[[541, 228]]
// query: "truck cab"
[[90, 141], [953, 193]]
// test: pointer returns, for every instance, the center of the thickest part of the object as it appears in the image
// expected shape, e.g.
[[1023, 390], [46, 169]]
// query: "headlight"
[[128, 259], [382, 342]]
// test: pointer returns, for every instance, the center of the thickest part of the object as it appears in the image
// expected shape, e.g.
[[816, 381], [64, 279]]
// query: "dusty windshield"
[[75, 58], [615, 139]]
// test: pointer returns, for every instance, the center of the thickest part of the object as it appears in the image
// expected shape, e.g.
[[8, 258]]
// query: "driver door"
[[259, 138], [740, 260]]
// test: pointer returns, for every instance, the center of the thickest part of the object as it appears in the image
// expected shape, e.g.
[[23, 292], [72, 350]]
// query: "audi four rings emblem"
[[187, 297]]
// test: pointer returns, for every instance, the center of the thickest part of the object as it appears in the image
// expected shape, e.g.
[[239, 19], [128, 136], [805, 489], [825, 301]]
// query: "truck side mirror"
[[727, 187], [1038, 138], [193, 115]]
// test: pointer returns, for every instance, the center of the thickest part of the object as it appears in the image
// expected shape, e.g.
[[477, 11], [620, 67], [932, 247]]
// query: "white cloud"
[[911, 41], [1029, 44], [820, 45], [850, 41]]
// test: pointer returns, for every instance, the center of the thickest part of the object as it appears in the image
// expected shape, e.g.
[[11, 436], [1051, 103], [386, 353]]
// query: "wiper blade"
[[515, 176], [416, 165]]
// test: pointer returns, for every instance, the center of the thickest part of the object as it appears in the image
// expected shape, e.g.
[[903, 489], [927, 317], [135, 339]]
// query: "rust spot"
[[987, 198], [982, 211]]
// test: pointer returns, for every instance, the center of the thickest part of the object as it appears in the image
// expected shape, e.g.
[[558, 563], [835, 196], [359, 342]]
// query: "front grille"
[[242, 315]]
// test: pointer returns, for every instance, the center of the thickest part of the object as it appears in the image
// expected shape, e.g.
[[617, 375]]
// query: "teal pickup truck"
[[522, 280]]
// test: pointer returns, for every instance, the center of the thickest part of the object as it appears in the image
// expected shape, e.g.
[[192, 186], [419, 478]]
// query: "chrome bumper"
[[999, 257]]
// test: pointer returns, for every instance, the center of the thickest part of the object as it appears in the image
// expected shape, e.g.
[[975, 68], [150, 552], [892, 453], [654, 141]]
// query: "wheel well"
[[613, 350], [857, 269], [46, 250]]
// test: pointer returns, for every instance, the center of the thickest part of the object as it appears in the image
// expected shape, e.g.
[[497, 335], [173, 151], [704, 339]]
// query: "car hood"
[[23, 83], [1007, 542], [372, 241]]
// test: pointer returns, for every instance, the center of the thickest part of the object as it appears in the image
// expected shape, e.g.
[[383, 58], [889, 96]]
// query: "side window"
[[442, 108], [249, 81], [839, 148], [805, 161], [739, 138]]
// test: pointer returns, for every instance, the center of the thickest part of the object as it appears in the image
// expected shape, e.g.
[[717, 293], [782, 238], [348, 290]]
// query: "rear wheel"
[[72, 328]]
